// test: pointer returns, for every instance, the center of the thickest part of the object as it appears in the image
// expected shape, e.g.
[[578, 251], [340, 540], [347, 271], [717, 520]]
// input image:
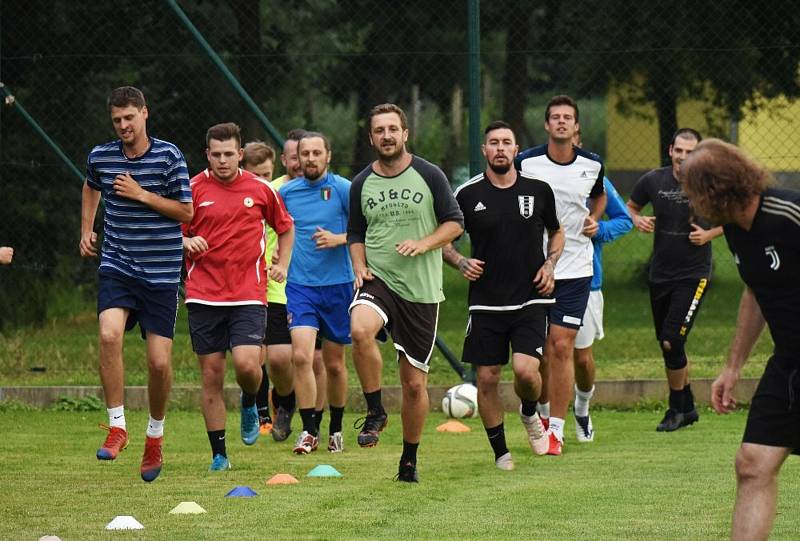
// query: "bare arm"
[[545, 276], [89, 200], [443, 234], [358, 255], [471, 268], [326, 239], [279, 270], [749, 324], [700, 236], [645, 224], [125, 186]]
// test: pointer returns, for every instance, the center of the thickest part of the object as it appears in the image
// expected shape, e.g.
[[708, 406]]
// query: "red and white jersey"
[[231, 218]]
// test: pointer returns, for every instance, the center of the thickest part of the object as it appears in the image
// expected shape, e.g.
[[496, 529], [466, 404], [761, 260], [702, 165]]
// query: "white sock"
[[155, 429], [582, 399], [544, 409], [557, 427], [116, 417]]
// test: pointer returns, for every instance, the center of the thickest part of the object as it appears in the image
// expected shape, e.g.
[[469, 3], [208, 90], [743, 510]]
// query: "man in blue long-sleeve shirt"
[[618, 223]]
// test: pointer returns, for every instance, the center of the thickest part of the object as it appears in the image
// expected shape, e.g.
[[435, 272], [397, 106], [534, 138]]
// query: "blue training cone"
[[241, 492], [324, 470]]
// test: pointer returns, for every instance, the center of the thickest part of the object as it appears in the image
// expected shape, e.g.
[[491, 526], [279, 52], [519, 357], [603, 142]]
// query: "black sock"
[[374, 401], [675, 399], [336, 419], [307, 415], [528, 407], [289, 401], [262, 398], [318, 418], [497, 439], [409, 453], [248, 400], [217, 440], [688, 399]]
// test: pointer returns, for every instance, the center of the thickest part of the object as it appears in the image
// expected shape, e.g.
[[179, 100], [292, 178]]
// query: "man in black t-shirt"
[[679, 270], [511, 282], [762, 227]]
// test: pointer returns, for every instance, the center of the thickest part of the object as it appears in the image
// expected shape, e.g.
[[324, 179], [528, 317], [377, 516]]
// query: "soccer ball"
[[461, 401]]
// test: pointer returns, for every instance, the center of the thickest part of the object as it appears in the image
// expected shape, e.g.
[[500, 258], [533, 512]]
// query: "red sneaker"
[[152, 459], [116, 441], [545, 422], [555, 445]]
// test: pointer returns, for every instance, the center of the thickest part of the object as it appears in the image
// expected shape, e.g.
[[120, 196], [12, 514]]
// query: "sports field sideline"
[[631, 483]]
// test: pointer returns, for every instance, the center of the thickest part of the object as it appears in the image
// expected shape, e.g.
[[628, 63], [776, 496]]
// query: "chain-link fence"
[[638, 70]]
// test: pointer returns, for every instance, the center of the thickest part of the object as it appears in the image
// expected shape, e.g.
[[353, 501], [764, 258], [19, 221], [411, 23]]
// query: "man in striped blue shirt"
[[144, 183]]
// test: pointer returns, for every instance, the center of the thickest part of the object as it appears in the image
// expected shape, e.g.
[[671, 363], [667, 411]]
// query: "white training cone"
[[187, 508], [124, 522]]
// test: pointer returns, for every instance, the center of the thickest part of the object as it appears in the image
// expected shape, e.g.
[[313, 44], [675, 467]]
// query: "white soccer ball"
[[461, 401]]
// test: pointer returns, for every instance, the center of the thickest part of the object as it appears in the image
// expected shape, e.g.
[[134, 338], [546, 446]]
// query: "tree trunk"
[[516, 81], [250, 65], [666, 102]]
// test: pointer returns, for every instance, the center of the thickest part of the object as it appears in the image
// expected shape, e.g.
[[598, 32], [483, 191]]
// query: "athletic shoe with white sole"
[[554, 448], [335, 443], [583, 429], [305, 444], [537, 435], [504, 462]]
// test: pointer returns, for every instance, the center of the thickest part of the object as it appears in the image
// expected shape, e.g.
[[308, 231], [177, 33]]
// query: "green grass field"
[[631, 483], [67, 347]]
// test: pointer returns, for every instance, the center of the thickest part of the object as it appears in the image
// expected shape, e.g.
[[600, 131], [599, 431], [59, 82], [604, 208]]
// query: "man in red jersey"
[[226, 281]]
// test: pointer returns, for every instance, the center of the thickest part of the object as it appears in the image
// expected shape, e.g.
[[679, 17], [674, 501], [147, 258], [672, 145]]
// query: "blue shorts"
[[324, 308], [572, 296], [154, 307]]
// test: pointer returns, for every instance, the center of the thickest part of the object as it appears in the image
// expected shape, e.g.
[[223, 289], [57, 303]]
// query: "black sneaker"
[[407, 473], [282, 427], [673, 420], [371, 426]]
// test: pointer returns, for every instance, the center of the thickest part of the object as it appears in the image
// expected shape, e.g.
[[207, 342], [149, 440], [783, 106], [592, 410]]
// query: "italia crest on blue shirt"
[[325, 193], [525, 206]]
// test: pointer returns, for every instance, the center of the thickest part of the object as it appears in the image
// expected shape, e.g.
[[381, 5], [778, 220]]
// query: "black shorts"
[[489, 335], [153, 307], [774, 417], [277, 332], [412, 325], [216, 329], [675, 306]]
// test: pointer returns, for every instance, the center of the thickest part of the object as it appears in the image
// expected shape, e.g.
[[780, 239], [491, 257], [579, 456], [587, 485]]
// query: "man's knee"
[[111, 337], [487, 378], [749, 466], [414, 388], [672, 349], [560, 344]]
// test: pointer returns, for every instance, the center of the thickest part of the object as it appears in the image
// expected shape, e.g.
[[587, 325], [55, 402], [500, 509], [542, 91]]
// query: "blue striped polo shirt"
[[138, 241]]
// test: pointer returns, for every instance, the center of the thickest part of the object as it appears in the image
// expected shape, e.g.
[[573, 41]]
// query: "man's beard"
[[390, 157], [312, 176], [500, 169]]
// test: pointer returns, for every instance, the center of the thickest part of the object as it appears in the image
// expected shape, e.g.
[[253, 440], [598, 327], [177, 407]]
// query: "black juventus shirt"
[[768, 259], [507, 230], [674, 256]]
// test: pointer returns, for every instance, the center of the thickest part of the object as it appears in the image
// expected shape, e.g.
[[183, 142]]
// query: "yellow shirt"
[[276, 292]]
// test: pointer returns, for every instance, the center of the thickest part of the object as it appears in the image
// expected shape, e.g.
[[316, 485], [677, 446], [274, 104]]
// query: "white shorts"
[[592, 328]]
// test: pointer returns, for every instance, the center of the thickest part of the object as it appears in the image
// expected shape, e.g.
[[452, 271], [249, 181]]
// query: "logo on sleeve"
[[525, 206], [773, 255]]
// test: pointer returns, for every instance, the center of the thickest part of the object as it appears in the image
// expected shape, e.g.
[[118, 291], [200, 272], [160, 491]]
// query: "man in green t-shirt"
[[402, 212]]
